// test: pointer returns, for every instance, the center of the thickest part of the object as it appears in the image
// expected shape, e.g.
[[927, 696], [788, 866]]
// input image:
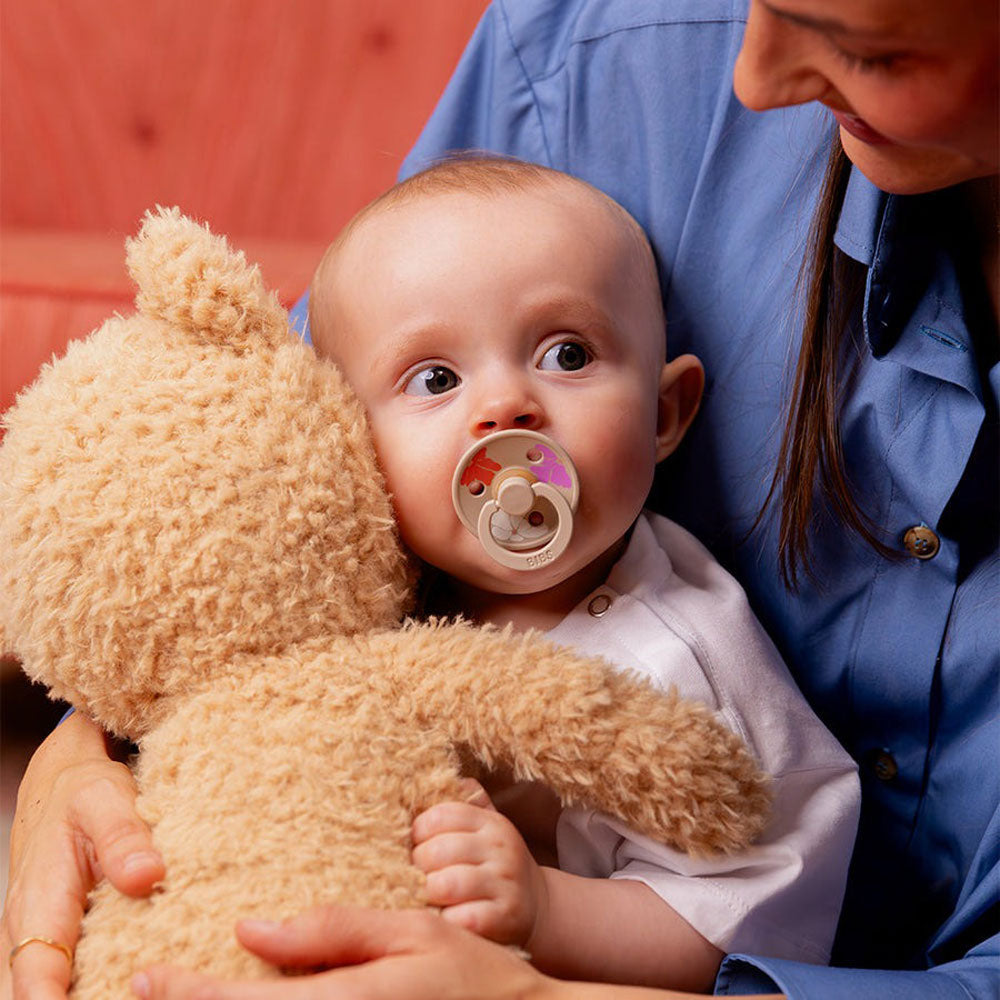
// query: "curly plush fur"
[[197, 549]]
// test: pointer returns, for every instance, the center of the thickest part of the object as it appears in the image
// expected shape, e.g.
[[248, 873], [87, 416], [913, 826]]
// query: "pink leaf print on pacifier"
[[517, 491], [551, 470]]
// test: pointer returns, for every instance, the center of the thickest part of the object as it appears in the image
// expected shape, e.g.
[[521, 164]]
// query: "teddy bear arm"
[[598, 737]]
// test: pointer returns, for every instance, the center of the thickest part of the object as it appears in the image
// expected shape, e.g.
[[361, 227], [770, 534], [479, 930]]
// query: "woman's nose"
[[508, 409], [775, 67]]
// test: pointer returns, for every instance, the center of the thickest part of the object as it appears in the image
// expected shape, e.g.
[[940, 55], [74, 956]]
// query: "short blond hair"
[[487, 175]]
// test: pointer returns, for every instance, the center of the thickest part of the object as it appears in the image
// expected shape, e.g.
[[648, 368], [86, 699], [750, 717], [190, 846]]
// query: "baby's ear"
[[198, 285], [682, 382]]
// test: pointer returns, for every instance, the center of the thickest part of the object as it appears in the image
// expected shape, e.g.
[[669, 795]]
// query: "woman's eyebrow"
[[826, 25]]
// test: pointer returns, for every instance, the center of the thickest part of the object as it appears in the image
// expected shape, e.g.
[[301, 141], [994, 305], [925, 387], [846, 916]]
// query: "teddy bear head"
[[187, 488]]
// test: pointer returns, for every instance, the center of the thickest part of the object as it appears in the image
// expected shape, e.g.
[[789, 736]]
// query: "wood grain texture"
[[274, 120]]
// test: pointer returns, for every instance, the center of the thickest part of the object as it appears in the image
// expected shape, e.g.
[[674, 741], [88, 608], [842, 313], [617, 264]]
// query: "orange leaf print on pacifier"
[[517, 491]]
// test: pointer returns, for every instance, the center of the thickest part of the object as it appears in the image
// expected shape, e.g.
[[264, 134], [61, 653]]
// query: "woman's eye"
[[432, 381], [869, 64], [569, 356]]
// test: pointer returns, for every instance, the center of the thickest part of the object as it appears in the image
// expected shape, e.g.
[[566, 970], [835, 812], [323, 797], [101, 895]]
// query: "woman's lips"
[[859, 128]]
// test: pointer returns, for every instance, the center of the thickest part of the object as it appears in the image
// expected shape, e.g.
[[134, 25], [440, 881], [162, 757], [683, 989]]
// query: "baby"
[[487, 295]]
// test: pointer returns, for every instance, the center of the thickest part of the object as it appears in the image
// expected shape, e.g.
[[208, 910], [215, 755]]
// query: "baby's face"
[[459, 315]]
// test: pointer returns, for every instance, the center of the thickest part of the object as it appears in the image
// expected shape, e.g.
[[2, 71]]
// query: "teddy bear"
[[198, 550]]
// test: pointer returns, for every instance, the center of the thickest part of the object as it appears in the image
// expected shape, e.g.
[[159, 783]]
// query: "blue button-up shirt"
[[901, 657]]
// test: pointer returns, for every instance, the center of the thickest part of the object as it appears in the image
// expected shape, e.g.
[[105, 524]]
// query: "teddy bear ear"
[[195, 282]]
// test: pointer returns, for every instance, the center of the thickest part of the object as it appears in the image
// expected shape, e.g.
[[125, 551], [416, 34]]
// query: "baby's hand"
[[479, 870]]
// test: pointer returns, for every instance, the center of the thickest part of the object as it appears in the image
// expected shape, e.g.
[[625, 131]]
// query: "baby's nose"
[[511, 411]]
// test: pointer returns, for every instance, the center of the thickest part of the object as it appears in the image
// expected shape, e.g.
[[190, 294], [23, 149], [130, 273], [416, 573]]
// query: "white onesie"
[[669, 611]]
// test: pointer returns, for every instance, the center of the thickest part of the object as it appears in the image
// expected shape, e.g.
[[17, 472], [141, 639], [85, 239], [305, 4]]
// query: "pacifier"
[[517, 491]]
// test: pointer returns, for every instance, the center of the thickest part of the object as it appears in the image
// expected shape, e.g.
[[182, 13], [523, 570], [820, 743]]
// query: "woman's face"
[[913, 84]]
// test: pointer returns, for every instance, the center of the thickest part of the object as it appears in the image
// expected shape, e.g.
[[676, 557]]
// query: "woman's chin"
[[900, 169]]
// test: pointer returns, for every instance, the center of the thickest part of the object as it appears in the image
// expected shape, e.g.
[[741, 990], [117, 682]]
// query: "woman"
[[865, 532]]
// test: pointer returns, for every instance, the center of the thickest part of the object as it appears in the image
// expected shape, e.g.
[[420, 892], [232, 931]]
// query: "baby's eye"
[[569, 356], [432, 381]]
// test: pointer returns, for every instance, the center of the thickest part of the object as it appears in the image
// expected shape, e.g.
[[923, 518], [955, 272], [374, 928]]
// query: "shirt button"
[[599, 605], [884, 765], [921, 542]]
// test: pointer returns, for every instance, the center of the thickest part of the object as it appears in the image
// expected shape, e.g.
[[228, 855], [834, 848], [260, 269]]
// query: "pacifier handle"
[[551, 550], [531, 482]]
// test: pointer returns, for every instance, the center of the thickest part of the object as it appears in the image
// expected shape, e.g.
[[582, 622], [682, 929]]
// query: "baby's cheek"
[[618, 489], [622, 451], [415, 472], [424, 512]]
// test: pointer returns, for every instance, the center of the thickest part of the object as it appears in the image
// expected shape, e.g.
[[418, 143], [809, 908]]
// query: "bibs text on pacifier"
[[517, 491]]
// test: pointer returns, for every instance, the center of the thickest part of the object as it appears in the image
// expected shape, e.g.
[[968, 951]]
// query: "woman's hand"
[[75, 824], [409, 955], [385, 955], [391, 955]]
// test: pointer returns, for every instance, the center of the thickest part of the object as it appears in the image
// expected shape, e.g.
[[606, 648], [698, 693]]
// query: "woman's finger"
[[46, 893], [407, 955], [121, 844], [60, 864], [340, 935], [75, 741], [71, 794], [38, 972], [167, 983], [324, 936]]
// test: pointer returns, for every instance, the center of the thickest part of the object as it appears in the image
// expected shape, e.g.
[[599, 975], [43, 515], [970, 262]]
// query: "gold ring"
[[38, 939]]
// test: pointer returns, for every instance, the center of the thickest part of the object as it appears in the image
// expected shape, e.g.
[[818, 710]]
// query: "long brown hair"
[[810, 458]]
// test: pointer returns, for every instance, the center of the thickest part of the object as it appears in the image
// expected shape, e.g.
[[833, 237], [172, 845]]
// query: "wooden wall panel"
[[268, 117], [42, 320], [272, 119]]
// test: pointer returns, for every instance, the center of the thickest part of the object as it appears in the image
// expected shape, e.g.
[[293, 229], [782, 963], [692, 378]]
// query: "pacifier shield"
[[517, 492]]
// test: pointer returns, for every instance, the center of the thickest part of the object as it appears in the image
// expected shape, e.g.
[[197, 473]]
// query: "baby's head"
[[488, 294]]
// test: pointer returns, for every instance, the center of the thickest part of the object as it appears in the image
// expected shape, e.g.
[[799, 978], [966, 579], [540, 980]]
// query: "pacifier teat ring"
[[517, 491]]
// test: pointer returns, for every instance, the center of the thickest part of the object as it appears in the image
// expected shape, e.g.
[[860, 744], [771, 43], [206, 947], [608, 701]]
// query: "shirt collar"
[[860, 218], [913, 306], [865, 231]]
